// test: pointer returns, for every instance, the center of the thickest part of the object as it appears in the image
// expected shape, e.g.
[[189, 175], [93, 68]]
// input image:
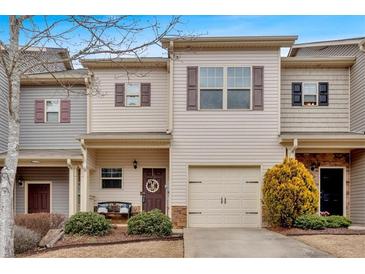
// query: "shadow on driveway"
[[244, 243]]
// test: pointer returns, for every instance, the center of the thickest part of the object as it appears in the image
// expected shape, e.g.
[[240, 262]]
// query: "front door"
[[39, 198], [332, 190], [153, 195]]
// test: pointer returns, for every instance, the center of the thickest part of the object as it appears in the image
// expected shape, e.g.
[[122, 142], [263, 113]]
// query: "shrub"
[[25, 239], [88, 223], [153, 222], [289, 191], [40, 222], [336, 221], [311, 221]]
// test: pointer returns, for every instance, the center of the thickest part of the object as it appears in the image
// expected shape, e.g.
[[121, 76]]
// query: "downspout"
[[171, 88], [294, 148], [88, 83]]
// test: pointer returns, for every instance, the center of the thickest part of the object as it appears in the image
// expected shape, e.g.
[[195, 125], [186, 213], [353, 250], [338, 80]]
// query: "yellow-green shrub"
[[289, 191]]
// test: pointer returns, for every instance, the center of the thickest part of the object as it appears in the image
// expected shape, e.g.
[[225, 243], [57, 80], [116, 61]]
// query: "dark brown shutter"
[[119, 95], [65, 111], [145, 94], [296, 93], [39, 111], [323, 93], [258, 88], [192, 88]]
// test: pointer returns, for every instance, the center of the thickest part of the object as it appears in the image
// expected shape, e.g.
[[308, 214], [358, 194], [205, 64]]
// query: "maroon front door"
[[153, 195], [38, 198]]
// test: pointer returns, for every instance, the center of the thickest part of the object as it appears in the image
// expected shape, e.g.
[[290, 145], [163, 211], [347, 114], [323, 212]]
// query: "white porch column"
[[72, 190], [84, 190]]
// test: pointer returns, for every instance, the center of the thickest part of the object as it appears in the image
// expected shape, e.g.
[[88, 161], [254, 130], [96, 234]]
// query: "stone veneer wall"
[[178, 214], [327, 160]]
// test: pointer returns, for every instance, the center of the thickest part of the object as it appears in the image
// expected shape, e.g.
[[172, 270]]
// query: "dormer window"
[[310, 94]]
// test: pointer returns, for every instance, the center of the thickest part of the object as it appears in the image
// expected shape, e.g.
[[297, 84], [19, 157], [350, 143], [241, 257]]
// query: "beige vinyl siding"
[[357, 79], [335, 117], [105, 117], [132, 178], [224, 137], [357, 188], [59, 177], [3, 111], [51, 135]]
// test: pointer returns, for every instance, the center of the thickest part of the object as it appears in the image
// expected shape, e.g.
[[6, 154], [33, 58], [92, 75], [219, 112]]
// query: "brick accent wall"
[[178, 214], [313, 161]]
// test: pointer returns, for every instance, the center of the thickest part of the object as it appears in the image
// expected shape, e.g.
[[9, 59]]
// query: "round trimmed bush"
[[152, 223], [289, 191], [311, 221], [88, 223]]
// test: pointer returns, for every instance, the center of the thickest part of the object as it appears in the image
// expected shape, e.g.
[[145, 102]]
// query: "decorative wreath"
[[152, 185]]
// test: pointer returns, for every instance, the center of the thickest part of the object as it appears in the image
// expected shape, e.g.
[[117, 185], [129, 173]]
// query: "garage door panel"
[[240, 187]]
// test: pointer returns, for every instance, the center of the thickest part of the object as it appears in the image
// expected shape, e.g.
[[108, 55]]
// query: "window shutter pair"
[[322, 93], [257, 88], [145, 95], [65, 111]]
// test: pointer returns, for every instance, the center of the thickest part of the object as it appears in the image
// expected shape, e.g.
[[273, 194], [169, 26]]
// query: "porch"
[[125, 167], [337, 162]]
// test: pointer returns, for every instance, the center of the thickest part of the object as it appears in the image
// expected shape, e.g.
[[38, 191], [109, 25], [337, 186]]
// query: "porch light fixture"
[[135, 164], [20, 181]]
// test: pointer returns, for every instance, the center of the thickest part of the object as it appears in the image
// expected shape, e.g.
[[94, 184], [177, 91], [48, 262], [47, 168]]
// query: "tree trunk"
[[11, 161]]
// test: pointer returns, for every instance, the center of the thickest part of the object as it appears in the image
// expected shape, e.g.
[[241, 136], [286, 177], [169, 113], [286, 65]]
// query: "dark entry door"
[[332, 190], [39, 198], [153, 195]]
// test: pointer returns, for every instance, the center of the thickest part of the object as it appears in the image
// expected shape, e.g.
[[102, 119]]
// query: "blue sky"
[[308, 28]]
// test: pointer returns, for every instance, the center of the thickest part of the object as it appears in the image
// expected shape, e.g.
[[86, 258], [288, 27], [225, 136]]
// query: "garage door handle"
[[225, 200], [221, 200], [252, 212], [195, 212], [252, 182], [195, 182]]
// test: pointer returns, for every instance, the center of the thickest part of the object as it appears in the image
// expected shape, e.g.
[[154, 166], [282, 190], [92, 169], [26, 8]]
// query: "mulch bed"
[[327, 231], [118, 235]]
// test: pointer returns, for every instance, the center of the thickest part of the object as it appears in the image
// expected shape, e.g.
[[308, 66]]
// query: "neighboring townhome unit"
[[329, 131], [52, 116]]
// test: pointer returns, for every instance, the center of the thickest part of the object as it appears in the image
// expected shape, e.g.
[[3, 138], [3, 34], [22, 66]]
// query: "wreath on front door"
[[152, 185]]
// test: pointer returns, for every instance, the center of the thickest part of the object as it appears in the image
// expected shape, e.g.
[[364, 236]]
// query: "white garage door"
[[224, 197]]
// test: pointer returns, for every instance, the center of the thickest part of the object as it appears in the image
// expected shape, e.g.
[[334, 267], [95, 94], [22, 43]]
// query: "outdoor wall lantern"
[[135, 164]]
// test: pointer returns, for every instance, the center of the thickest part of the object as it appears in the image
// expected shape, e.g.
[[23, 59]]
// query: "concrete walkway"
[[244, 243]]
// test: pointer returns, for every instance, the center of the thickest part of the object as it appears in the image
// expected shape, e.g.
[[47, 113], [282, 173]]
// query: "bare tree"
[[109, 36]]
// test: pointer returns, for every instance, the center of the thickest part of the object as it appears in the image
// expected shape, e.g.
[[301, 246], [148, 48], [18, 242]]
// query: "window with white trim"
[[211, 88], [216, 93], [111, 178], [310, 94], [52, 110], [133, 94], [239, 87]]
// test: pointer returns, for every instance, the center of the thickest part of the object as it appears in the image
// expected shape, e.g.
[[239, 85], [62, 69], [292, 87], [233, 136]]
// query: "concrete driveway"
[[244, 243]]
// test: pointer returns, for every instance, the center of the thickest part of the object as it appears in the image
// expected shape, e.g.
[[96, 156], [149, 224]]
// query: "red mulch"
[[327, 231]]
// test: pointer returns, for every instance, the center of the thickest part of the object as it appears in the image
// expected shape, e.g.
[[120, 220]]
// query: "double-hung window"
[[111, 178], [133, 94], [53, 110], [211, 88], [310, 94], [238, 87], [225, 87]]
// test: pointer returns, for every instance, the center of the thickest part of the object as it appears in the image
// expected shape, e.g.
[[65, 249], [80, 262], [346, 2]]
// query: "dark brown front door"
[[38, 198], [153, 195]]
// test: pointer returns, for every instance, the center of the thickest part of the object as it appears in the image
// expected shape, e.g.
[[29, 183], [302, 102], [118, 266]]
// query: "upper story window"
[[52, 111], [133, 94], [310, 94], [211, 88], [111, 178], [225, 87], [239, 87]]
